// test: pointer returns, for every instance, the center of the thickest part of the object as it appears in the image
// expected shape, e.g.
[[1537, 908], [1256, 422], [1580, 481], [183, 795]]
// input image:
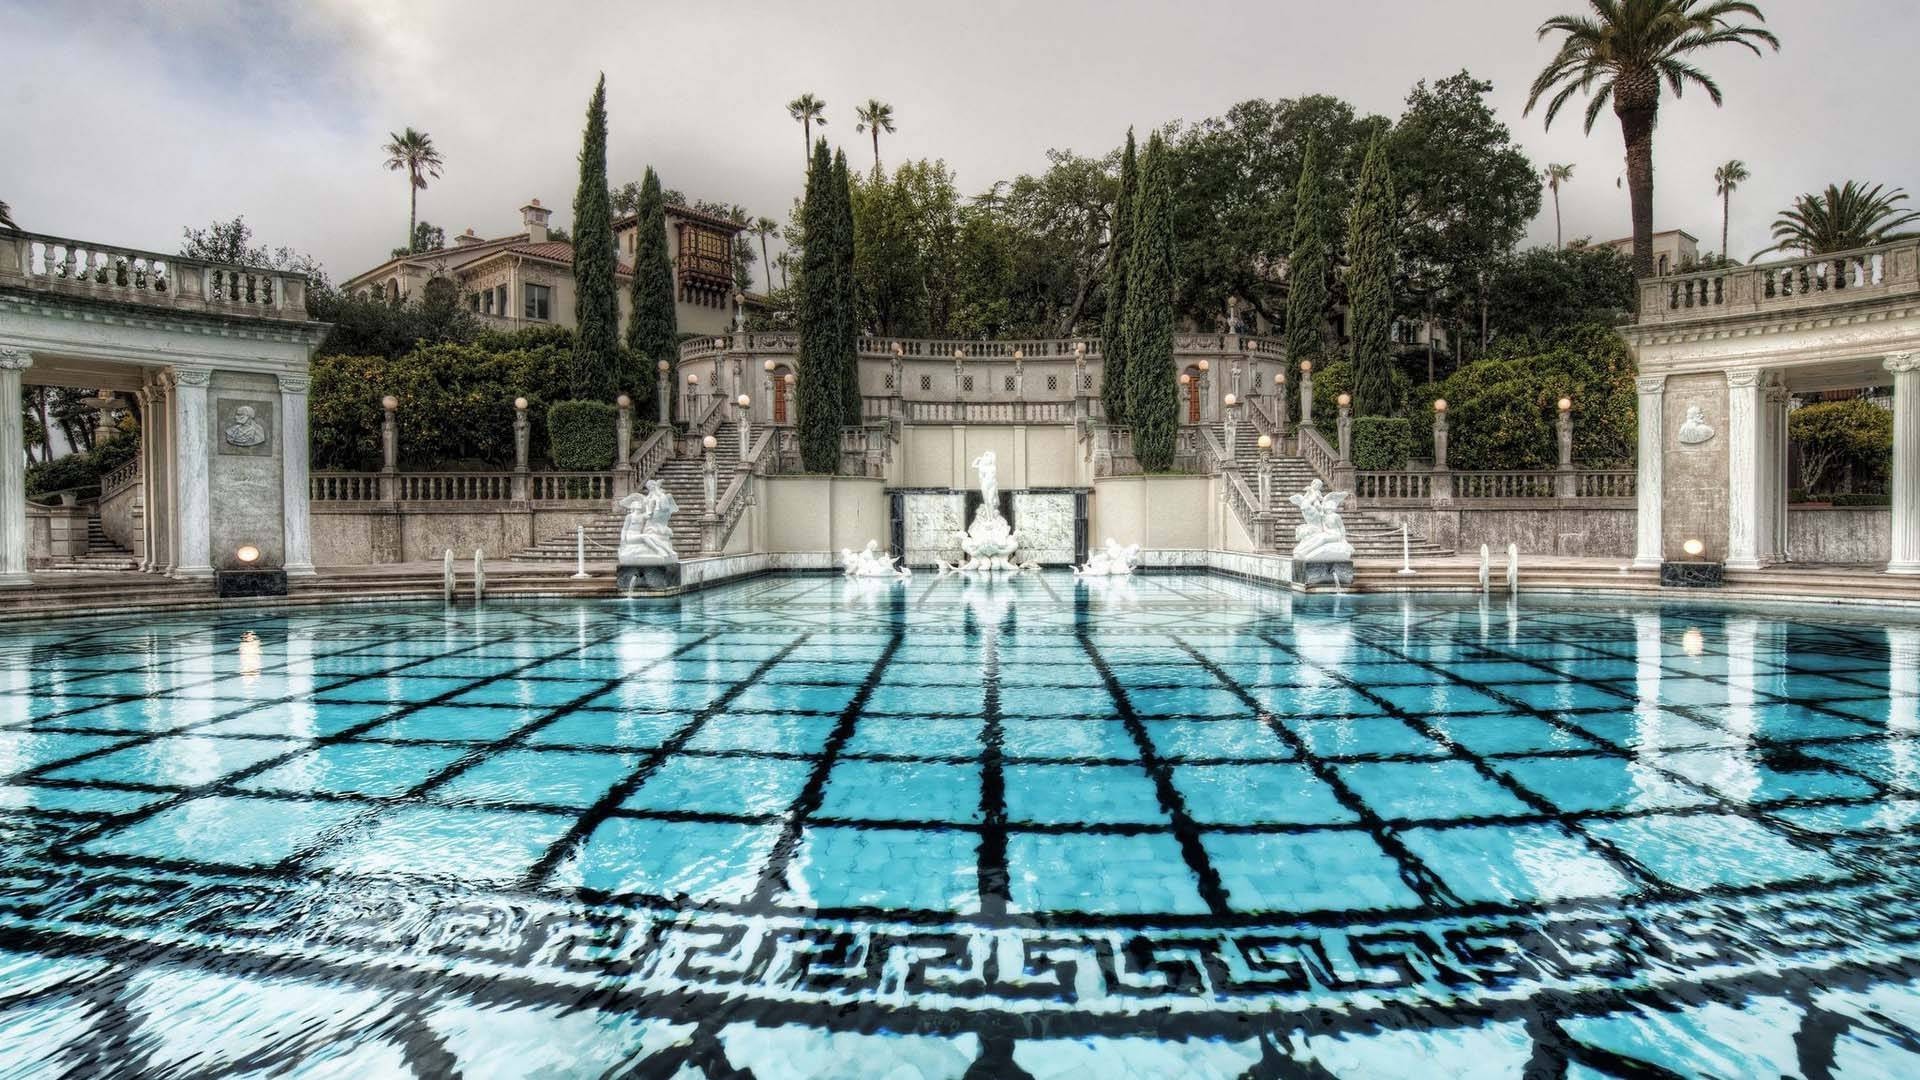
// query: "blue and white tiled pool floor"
[[802, 826]]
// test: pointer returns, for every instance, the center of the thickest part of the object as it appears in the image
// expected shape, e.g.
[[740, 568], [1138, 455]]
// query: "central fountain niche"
[[928, 523]]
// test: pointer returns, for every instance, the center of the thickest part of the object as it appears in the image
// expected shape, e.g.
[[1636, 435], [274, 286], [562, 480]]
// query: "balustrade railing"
[[1606, 484], [1319, 456], [1253, 517], [108, 272], [116, 480], [654, 451], [344, 487], [1505, 485], [989, 412], [571, 487], [1393, 486], [1810, 281]]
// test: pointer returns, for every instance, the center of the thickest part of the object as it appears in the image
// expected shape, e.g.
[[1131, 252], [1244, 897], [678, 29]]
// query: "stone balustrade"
[[460, 487], [1786, 285], [55, 264]]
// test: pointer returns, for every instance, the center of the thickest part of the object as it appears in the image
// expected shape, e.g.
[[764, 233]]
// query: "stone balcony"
[[1889, 272], [40, 263]]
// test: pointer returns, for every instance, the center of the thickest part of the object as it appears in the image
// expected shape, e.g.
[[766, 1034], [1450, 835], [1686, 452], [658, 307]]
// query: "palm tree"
[[1622, 53], [6, 216], [875, 116], [1725, 179], [1841, 219], [1555, 176], [809, 110], [413, 151], [766, 227]]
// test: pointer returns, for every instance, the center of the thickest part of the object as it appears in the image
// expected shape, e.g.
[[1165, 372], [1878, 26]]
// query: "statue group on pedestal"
[[1321, 535], [646, 554]]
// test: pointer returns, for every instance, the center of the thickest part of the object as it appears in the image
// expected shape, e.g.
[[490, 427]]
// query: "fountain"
[[989, 542], [646, 557], [869, 562], [1322, 554], [1513, 568], [1485, 567], [1406, 552]]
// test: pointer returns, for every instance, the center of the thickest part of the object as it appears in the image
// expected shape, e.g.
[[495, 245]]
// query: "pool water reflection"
[[1177, 825]]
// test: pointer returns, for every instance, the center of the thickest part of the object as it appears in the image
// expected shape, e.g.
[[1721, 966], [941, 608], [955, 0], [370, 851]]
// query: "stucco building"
[[526, 279]]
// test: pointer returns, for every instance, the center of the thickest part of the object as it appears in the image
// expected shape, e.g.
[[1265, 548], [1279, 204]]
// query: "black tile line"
[[773, 874], [475, 755], [226, 780], [993, 875], [1424, 883], [142, 737], [1185, 830], [590, 819], [1623, 863]]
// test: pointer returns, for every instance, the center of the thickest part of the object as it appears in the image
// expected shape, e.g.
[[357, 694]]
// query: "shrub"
[[1382, 442], [1501, 410], [60, 474], [1336, 378], [1844, 445], [1859, 499], [581, 434]]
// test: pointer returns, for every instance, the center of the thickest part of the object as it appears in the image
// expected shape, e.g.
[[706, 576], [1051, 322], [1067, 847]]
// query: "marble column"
[[1782, 412], [1773, 481], [1906, 463], [13, 470], [1744, 456], [156, 447], [1649, 549], [192, 499], [294, 511]]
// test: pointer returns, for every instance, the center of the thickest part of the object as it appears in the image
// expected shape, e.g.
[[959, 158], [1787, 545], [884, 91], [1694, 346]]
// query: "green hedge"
[[1501, 410], [1382, 442], [83, 469], [581, 434], [1845, 446], [1862, 500]]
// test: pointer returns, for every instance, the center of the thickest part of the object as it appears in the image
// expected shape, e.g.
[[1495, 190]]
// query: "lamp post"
[[739, 312], [1306, 393], [710, 473], [623, 447], [1080, 409], [661, 390], [1564, 481], [521, 438], [1442, 476], [692, 408], [1344, 427], [896, 376], [1280, 403], [1205, 405], [1266, 472], [743, 413], [389, 448]]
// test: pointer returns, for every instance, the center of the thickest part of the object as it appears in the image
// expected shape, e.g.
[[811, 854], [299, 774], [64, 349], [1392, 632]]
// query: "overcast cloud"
[[121, 122]]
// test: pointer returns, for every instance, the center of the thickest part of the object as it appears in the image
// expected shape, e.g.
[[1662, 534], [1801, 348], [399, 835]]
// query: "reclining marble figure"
[[1115, 561], [871, 562]]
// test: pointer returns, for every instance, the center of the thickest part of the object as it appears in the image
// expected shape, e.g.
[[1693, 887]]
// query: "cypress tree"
[[846, 293], [1113, 347], [596, 304], [1307, 267], [1370, 284], [653, 334], [819, 372], [1153, 396]]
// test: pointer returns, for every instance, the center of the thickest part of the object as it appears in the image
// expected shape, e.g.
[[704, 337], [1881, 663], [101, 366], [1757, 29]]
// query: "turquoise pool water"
[[801, 826]]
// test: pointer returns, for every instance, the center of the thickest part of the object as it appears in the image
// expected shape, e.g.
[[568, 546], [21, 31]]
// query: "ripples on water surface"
[[1175, 826]]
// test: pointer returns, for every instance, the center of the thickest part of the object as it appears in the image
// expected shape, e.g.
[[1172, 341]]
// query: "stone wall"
[[55, 532], [1177, 512], [359, 536], [1694, 491], [1027, 456], [1840, 534], [1570, 530], [123, 518], [822, 513]]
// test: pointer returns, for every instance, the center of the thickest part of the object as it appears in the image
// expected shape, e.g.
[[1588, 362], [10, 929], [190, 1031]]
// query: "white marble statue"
[[1695, 430], [1115, 561], [870, 562], [1321, 535], [646, 537], [989, 542]]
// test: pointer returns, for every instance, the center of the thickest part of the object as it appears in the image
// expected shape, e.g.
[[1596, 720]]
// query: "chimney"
[[466, 238], [535, 216]]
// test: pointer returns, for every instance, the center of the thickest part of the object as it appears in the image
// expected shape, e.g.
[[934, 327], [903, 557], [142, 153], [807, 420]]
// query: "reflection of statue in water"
[[870, 562], [243, 430], [1115, 561], [990, 541], [1321, 535], [646, 537]]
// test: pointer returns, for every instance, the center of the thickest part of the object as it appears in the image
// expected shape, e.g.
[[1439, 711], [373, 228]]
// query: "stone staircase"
[[1373, 536], [681, 476], [102, 553]]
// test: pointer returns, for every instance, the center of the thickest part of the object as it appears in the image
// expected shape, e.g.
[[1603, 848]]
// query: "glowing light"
[[247, 553], [1693, 548]]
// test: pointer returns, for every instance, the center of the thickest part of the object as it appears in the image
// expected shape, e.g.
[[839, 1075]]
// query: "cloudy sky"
[[123, 121]]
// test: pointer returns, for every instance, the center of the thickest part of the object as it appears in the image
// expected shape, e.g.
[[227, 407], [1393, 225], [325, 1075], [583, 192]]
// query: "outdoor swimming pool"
[[1174, 825]]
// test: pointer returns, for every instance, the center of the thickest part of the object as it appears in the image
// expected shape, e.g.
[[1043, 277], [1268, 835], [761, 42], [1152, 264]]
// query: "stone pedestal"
[[660, 575], [1692, 575], [1310, 574], [250, 582]]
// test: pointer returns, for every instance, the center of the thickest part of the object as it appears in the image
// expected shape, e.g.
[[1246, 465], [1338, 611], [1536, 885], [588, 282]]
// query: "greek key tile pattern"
[[1175, 825]]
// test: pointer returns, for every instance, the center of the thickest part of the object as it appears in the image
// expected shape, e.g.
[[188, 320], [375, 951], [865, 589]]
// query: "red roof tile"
[[561, 252]]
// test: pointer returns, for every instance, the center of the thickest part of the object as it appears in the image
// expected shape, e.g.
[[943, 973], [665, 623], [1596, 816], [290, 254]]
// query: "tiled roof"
[[561, 252], [686, 213]]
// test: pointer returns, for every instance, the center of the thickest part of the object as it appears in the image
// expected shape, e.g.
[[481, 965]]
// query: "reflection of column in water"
[[1406, 620], [1740, 778], [1903, 702], [1646, 678]]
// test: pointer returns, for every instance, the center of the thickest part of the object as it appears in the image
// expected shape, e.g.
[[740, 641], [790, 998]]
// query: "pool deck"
[[119, 593]]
